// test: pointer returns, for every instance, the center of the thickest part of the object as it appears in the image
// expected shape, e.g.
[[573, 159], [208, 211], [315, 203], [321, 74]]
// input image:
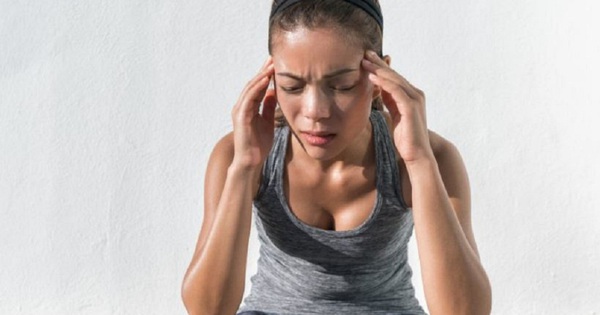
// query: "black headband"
[[366, 5]]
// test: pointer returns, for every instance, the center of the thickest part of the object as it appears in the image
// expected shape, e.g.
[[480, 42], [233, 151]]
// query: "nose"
[[317, 105]]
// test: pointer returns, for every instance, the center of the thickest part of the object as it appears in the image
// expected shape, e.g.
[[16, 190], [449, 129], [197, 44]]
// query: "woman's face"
[[324, 93]]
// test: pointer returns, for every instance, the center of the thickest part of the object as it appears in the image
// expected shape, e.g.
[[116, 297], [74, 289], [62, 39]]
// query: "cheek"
[[284, 100], [289, 105], [361, 96]]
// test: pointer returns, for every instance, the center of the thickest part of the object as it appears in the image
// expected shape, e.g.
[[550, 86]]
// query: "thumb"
[[269, 104], [390, 103]]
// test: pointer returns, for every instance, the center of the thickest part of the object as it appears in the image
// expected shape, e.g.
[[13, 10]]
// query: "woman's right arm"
[[215, 279]]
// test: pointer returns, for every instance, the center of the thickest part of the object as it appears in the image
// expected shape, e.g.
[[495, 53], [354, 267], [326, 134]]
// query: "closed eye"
[[344, 88], [291, 89]]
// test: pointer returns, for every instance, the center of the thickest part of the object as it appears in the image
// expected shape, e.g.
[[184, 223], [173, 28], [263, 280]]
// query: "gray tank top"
[[308, 270]]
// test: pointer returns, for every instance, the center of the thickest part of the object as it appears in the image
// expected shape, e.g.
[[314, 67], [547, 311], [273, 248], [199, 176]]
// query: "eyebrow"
[[327, 76]]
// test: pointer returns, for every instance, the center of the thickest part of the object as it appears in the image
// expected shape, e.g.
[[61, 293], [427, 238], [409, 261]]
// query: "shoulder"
[[442, 147], [450, 162], [218, 163], [222, 153]]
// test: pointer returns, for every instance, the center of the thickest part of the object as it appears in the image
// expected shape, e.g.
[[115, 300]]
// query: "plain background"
[[110, 109]]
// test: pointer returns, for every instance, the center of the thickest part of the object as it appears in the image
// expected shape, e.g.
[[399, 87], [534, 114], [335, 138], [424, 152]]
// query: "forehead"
[[306, 51]]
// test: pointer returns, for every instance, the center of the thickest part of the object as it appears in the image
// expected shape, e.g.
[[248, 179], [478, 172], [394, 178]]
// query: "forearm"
[[453, 278], [215, 284]]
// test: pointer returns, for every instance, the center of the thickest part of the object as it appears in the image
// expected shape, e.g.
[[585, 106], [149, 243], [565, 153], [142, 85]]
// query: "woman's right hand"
[[253, 130]]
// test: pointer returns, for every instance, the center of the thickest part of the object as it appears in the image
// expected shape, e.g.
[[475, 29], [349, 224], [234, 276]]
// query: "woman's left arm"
[[453, 278]]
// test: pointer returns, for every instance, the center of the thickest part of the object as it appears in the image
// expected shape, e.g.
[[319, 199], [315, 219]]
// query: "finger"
[[265, 69], [264, 73], [398, 101], [248, 102], [396, 82], [376, 65], [381, 69], [255, 92], [269, 104], [392, 104], [390, 87], [267, 62], [259, 89], [394, 97], [374, 58]]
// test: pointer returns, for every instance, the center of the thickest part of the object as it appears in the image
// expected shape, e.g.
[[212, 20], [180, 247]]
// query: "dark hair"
[[357, 25]]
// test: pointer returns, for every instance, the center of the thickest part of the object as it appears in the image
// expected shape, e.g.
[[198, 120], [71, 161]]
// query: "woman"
[[337, 183]]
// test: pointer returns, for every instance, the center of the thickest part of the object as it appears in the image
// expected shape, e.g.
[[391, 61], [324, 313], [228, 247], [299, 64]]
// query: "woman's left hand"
[[406, 105]]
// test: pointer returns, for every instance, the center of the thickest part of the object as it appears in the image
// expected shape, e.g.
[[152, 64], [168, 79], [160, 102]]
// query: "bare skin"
[[325, 92]]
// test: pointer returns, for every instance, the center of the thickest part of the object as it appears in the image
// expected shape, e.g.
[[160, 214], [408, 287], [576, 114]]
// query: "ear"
[[376, 88], [387, 60]]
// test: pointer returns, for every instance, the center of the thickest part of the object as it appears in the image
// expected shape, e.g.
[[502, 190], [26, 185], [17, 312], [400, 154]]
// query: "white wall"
[[109, 109]]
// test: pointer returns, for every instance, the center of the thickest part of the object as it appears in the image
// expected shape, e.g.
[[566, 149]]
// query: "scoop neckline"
[[316, 230]]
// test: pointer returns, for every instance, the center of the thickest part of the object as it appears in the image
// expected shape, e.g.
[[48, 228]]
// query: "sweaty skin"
[[324, 85]]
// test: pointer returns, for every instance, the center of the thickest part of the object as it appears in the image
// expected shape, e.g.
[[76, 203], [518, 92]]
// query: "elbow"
[[193, 302], [200, 302], [486, 299], [480, 301], [483, 300], [476, 301], [481, 304], [476, 308], [483, 307], [190, 300]]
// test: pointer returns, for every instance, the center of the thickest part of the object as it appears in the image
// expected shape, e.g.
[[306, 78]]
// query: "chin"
[[326, 153]]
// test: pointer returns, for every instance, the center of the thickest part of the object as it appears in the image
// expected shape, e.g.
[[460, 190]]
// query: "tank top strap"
[[386, 157]]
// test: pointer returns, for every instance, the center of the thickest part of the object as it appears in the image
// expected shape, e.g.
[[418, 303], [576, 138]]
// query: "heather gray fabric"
[[307, 270]]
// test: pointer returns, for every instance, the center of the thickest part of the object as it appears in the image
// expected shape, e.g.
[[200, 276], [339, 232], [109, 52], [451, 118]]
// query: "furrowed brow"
[[327, 76], [289, 75], [338, 72]]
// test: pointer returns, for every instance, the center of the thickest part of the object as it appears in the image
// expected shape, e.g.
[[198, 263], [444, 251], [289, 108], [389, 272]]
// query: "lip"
[[318, 138]]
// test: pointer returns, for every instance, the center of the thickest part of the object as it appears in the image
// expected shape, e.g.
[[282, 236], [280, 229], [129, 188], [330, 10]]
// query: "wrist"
[[421, 165], [242, 170]]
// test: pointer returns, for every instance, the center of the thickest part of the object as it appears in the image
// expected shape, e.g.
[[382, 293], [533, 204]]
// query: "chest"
[[338, 201]]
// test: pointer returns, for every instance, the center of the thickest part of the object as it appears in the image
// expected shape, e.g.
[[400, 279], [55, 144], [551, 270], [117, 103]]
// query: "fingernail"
[[371, 53]]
